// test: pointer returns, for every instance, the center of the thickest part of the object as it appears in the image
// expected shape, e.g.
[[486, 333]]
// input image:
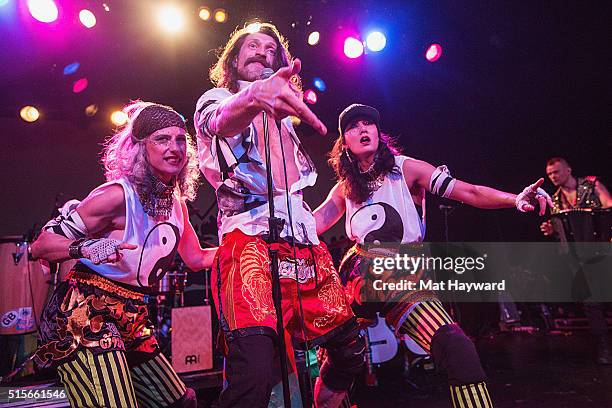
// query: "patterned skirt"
[[356, 273], [90, 312]]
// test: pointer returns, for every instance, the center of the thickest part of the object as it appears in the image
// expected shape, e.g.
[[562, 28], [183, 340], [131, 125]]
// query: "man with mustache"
[[231, 148]]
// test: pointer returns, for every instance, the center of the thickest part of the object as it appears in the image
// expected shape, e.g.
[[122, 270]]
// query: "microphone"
[[266, 73]]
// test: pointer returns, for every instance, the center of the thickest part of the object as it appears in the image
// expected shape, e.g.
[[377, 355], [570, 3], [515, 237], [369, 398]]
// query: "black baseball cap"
[[357, 110]]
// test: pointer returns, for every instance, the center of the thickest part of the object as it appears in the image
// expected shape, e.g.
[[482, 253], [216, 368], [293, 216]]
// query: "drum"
[[583, 225], [24, 287], [172, 283]]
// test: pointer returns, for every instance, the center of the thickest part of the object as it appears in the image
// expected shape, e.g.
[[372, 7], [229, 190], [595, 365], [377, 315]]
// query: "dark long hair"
[[225, 75], [352, 180]]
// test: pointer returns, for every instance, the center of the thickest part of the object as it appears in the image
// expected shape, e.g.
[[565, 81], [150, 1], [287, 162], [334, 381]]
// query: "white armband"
[[441, 182], [69, 223]]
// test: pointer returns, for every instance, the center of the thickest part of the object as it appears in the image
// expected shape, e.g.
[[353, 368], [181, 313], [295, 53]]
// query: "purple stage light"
[[434, 52], [310, 96], [353, 48]]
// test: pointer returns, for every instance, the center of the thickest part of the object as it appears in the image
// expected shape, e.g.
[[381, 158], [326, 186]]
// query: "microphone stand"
[[275, 225], [454, 309]]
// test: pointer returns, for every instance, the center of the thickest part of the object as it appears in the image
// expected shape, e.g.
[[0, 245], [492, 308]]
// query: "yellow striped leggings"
[[430, 326], [106, 380]]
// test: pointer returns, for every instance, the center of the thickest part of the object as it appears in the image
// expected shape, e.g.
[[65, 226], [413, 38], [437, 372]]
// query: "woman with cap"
[[125, 235], [383, 195]]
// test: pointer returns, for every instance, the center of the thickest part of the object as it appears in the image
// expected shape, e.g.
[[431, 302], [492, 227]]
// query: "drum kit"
[[585, 236], [27, 284], [167, 294], [583, 225], [23, 293]]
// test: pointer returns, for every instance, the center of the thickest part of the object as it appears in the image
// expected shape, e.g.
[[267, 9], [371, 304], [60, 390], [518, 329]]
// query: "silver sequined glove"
[[99, 250]]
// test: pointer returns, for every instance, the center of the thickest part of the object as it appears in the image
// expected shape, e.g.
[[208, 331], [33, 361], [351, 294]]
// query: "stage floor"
[[531, 371], [525, 370]]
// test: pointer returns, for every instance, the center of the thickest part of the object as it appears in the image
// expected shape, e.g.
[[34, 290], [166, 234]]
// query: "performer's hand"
[[104, 250], [547, 228], [280, 98], [532, 195]]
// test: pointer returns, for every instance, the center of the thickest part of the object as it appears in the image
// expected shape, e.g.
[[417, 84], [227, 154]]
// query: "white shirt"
[[236, 169]]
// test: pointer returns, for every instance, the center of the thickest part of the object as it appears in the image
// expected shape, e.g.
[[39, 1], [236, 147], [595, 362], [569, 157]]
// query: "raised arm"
[[275, 95], [190, 249], [103, 210], [331, 210], [419, 173]]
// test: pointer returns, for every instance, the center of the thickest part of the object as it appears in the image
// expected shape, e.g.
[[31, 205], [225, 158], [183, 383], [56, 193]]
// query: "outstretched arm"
[[190, 249], [419, 173], [275, 95], [332, 209]]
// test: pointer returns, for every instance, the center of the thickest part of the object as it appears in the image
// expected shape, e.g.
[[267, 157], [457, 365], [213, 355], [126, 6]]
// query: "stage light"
[[71, 68], [434, 52], [29, 114], [91, 110], [376, 41], [204, 13], [119, 118], [171, 18], [80, 85], [88, 19], [3, 3], [313, 38], [44, 11], [310, 96], [353, 48], [105, 7], [253, 28], [319, 84], [220, 16]]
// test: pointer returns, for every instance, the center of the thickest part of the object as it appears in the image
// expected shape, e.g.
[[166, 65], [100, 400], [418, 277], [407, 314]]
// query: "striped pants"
[[430, 326], [106, 380]]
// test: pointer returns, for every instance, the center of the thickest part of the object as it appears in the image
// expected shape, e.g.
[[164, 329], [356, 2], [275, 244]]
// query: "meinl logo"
[[192, 359]]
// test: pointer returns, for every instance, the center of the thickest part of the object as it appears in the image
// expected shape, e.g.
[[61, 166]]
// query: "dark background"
[[518, 82]]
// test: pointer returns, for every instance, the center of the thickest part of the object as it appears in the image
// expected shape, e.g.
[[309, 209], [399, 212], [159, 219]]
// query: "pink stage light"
[[80, 85], [44, 11], [434, 52], [353, 48], [310, 96]]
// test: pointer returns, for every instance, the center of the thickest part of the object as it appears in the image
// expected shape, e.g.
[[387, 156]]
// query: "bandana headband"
[[155, 117]]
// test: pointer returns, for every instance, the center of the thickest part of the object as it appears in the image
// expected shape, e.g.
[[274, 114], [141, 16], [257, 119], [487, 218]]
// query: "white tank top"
[[157, 242], [388, 216]]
